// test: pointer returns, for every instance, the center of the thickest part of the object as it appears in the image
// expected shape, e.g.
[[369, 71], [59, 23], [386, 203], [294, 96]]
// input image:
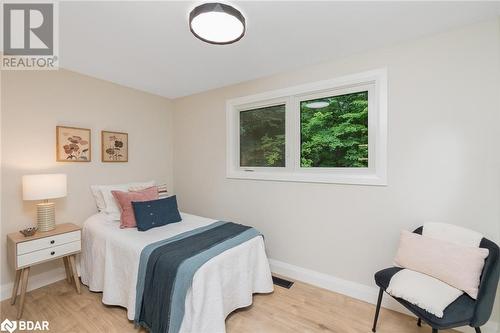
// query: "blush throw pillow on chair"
[[156, 213], [459, 266], [124, 199]]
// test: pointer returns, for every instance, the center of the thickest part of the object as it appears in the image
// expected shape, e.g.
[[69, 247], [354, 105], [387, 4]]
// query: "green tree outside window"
[[336, 135]]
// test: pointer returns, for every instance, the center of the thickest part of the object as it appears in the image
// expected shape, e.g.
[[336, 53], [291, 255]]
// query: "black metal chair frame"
[[483, 304]]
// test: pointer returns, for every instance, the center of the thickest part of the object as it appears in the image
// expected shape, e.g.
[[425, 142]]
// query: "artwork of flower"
[[72, 144], [114, 146]]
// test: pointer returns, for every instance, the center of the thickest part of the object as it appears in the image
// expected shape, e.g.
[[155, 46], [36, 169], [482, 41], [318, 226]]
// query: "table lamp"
[[44, 187]]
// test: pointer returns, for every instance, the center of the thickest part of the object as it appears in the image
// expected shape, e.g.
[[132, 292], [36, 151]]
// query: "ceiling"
[[148, 45]]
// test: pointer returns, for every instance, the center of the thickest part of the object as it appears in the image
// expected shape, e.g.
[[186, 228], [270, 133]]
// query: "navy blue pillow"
[[156, 213]]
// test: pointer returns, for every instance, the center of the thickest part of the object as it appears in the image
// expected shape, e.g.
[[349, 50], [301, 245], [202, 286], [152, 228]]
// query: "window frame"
[[374, 81], [333, 93], [257, 105]]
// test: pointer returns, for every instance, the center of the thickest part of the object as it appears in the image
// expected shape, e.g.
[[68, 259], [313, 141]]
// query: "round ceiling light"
[[317, 105], [217, 23]]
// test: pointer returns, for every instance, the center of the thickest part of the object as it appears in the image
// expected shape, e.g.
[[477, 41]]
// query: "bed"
[[110, 263]]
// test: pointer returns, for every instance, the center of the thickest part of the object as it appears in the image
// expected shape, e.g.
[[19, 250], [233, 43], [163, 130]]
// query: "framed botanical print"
[[73, 144], [114, 146]]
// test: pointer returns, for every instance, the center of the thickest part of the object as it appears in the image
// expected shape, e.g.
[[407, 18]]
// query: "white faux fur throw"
[[423, 290]]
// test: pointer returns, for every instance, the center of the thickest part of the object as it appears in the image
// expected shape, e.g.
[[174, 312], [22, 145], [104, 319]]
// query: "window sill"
[[327, 178]]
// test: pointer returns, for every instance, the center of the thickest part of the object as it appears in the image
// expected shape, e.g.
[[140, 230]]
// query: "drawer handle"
[[52, 253], [52, 241]]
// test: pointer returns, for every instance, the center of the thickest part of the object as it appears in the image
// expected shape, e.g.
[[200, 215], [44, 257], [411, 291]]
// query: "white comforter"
[[110, 260]]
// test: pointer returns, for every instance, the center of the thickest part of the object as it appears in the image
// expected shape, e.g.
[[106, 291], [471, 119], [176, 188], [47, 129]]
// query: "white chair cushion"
[[424, 291]]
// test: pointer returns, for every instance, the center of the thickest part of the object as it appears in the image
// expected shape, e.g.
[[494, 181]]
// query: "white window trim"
[[375, 81]]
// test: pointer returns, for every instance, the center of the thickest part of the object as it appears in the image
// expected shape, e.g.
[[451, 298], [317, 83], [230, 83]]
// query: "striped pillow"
[[162, 190]]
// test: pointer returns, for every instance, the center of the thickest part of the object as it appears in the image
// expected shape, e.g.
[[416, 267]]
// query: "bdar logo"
[[8, 325]]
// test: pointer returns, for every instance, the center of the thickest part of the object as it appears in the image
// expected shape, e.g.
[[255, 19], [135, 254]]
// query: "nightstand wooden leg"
[[24, 283], [68, 269], [16, 287], [75, 274]]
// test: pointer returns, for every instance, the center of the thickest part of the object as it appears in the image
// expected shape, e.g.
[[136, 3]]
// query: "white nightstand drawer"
[[47, 242], [48, 254]]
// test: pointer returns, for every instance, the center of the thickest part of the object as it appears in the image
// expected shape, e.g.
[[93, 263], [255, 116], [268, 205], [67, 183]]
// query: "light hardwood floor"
[[303, 308]]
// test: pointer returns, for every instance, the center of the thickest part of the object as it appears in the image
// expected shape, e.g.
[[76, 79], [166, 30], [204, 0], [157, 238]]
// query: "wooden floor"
[[303, 308]]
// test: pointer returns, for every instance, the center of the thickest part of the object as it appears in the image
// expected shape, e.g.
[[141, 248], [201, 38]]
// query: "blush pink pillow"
[[127, 218], [459, 266]]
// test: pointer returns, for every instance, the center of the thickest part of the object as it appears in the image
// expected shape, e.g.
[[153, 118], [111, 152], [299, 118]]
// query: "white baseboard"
[[325, 281], [352, 289], [35, 281]]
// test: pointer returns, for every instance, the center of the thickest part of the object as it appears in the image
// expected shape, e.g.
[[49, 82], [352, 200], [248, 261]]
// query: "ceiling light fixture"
[[317, 105], [217, 23]]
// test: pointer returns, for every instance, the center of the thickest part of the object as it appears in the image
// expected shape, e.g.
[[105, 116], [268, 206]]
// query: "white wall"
[[443, 158], [33, 103]]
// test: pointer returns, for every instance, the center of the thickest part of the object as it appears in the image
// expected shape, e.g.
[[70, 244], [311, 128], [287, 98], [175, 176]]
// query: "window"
[[262, 137], [334, 131], [331, 131]]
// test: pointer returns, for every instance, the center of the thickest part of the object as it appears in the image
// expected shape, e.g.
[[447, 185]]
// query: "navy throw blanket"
[[162, 267]]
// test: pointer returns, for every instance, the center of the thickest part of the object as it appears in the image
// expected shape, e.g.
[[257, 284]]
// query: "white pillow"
[[99, 200], [452, 233], [111, 207], [423, 290]]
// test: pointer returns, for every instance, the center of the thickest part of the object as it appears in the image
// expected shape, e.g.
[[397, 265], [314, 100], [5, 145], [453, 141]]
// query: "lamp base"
[[46, 216]]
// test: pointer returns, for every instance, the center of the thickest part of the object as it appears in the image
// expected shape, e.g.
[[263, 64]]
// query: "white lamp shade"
[[43, 187]]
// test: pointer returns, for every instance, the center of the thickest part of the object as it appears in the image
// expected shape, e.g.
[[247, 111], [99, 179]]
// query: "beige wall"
[[443, 161], [443, 158], [34, 102]]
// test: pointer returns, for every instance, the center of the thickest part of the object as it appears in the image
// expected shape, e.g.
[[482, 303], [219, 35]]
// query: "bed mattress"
[[110, 261]]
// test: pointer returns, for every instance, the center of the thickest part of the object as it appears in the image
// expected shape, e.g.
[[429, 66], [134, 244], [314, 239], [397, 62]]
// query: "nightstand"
[[65, 241]]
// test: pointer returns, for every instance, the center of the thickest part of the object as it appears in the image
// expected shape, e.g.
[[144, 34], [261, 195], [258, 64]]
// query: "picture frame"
[[73, 144], [114, 147]]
